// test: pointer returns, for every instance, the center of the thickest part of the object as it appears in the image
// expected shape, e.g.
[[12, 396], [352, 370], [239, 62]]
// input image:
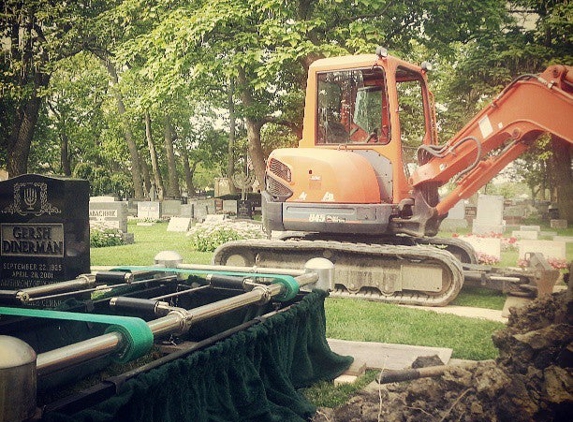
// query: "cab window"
[[352, 107], [412, 114]]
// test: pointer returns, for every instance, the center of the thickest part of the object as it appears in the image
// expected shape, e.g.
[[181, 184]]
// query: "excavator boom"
[[530, 106]]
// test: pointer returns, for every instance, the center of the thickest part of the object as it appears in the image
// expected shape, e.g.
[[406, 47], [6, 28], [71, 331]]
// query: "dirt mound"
[[532, 380]]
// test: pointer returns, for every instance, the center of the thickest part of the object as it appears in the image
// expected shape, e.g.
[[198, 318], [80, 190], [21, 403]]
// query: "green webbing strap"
[[290, 291], [136, 334], [289, 283]]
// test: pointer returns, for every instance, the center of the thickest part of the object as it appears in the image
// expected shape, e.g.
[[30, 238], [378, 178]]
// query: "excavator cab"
[[365, 117]]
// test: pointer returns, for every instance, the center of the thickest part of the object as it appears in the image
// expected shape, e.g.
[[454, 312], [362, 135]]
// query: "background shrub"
[[101, 237], [206, 237]]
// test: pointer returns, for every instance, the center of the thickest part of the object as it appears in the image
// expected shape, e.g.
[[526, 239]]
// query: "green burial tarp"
[[251, 376]]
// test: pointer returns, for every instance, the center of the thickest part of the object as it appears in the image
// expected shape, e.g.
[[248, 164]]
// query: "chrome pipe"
[[204, 267], [172, 323], [95, 289], [82, 351], [84, 280], [306, 278], [253, 269], [180, 293], [259, 294]]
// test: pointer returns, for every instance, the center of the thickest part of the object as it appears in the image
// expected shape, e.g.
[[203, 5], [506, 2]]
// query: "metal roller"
[[17, 380]]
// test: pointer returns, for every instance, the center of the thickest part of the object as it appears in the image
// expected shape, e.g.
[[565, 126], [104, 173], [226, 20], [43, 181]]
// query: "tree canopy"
[[143, 92]]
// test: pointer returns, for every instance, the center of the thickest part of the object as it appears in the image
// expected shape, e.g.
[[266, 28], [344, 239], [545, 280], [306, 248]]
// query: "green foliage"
[[102, 181], [277, 136], [177, 58], [104, 237], [477, 297], [206, 237], [36, 37]]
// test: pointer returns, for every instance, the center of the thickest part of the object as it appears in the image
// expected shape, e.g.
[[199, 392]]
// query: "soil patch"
[[532, 380]]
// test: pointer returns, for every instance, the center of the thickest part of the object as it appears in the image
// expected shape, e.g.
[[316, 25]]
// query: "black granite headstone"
[[44, 224], [245, 209]]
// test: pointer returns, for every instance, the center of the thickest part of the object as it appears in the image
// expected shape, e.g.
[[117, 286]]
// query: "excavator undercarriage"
[[412, 274], [390, 273]]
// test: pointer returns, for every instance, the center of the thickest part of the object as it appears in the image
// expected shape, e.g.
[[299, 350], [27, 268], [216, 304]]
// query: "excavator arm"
[[530, 106]]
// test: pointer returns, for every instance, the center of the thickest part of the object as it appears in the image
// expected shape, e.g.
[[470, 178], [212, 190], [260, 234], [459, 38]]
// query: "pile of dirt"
[[532, 380]]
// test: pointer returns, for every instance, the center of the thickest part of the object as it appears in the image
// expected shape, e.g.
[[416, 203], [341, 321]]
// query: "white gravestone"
[[489, 217], [179, 224], [486, 245], [456, 218], [566, 239], [549, 248], [171, 208], [112, 214], [525, 234], [149, 209]]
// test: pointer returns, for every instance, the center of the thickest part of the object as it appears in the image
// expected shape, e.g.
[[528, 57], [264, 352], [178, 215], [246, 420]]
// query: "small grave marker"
[[525, 234], [179, 224], [549, 248], [215, 218], [171, 208], [230, 206], [558, 224], [149, 209], [187, 210], [245, 209]]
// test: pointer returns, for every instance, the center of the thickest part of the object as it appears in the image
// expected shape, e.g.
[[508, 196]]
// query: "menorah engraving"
[[30, 196], [243, 181]]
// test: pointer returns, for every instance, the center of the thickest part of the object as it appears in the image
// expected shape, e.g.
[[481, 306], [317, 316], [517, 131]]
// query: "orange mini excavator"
[[362, 188]]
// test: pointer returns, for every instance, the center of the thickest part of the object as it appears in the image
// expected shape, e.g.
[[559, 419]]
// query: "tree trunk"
[[254, 126], [21, 136], [128, 134], [158, 180], [19, 32], [65, 153], [562, 177], [231, 146], [256, 150], [173, 185], [146, 176], [188, 173]]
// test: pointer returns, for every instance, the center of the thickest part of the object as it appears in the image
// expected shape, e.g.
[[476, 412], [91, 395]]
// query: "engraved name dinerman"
[[42, 240]]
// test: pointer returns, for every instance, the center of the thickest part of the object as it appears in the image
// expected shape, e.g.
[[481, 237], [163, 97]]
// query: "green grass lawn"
[[360, 320], [149, 241]]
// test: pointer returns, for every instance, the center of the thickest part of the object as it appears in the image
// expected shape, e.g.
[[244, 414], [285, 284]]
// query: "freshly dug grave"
[[532, 380]]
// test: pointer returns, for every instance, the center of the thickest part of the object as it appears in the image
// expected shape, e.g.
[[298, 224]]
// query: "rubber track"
[[414, 254]]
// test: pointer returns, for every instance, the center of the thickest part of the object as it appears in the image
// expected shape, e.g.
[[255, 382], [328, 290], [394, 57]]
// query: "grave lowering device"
[[226, 342]]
